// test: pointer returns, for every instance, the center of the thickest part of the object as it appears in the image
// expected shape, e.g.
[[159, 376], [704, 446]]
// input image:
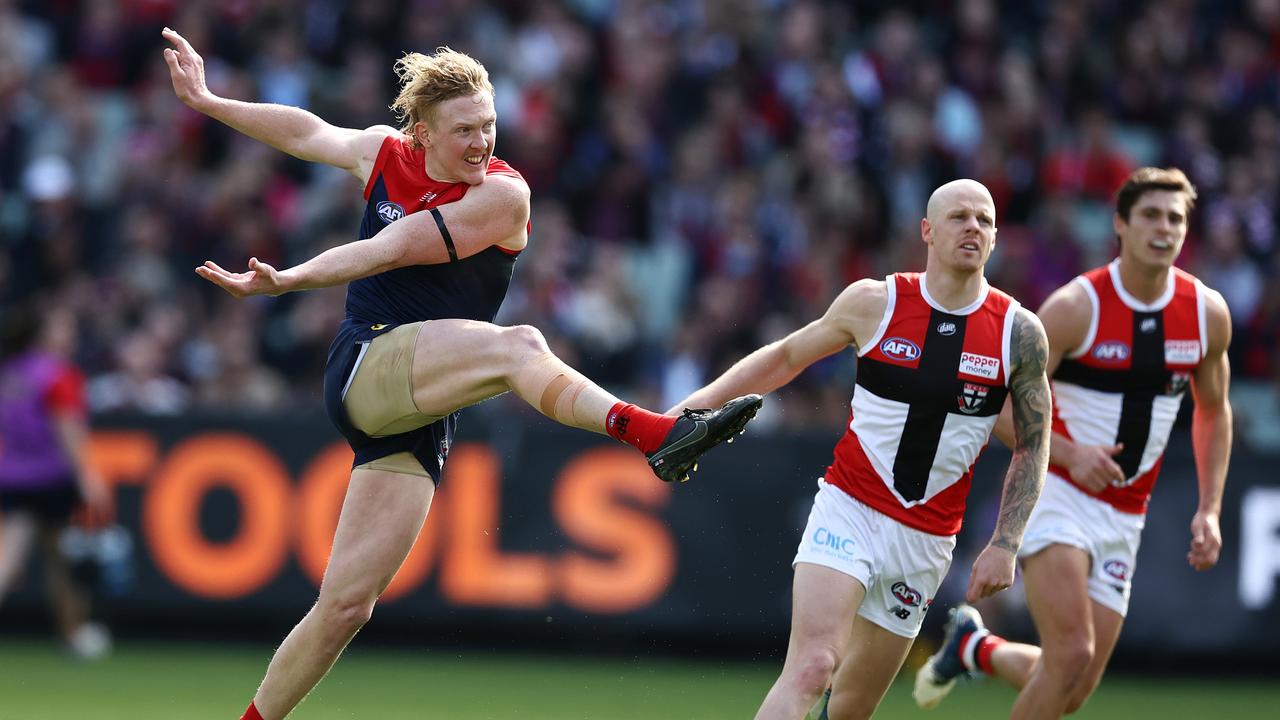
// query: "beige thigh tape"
[[379, 401], [404, 463]]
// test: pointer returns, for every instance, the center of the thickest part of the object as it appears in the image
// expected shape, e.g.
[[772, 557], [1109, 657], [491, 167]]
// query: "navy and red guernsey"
[[471, 288], [1126, 381], [930, 385]]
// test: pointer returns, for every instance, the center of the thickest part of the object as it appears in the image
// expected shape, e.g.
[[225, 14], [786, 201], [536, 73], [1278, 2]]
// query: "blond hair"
[[428, 80]]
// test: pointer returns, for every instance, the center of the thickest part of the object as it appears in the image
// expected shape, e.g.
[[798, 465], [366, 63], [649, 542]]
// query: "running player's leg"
[[1057, 585], [380, 520], [823, 601], [67, 599], [875, 655], [17, 536], [1106, 631]]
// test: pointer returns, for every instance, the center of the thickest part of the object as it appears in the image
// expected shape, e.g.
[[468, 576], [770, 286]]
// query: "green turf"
[[146, 682]]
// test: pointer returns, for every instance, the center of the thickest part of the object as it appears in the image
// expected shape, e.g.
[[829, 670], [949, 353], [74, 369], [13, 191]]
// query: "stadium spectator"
[[794, 96]]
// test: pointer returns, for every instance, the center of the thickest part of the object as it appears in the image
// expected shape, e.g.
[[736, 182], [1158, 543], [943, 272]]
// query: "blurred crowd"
[[707, 174]]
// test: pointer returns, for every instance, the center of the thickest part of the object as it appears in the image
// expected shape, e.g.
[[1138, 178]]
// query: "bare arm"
[[778, 363], [1029, 393], [1211, 434], [73, 433], [495, 212], [288, 129]]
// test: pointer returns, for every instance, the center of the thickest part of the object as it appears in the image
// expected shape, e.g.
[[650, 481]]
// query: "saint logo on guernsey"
[[1182, 352], [982, 366], [390, 211], [972, 397]]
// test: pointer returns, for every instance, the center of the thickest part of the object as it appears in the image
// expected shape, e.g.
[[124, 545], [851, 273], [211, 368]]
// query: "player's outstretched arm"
[[778, 363], [288, 129], [1029, 392], [495, 212], [1211, 433]]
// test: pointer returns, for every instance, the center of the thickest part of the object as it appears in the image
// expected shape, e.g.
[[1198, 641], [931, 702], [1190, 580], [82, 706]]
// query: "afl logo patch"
[[896, 348], [906, 594], [946, 328], [1111, 351], [1116, 569], [389, 211]]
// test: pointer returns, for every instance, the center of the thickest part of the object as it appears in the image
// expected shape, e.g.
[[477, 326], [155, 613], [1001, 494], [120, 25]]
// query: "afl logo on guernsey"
[[1111, 351], [896, 348], [390, 211]]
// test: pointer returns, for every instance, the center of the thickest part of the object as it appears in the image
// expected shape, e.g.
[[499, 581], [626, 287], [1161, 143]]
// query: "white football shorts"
[[1066, 515], [900, 567]]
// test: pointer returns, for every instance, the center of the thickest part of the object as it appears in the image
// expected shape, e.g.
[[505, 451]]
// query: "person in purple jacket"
[[44, 476]]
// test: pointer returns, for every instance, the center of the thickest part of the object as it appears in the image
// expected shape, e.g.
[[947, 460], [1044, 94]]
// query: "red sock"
[[251, 713], [982, 655], [638, 427]]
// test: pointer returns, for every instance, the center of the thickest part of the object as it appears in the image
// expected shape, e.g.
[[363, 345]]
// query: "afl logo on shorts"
[[1111, 351], [1116, 569], [906, 594], [389, 211], [896, 348]]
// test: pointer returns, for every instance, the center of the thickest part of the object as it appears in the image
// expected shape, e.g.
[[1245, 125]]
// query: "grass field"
[[189, 682]]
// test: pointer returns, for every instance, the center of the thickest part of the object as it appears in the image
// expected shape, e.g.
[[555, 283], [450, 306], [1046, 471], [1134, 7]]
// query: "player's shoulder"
[[865, 292], [861, 302], [374, 137], [1217, 317]]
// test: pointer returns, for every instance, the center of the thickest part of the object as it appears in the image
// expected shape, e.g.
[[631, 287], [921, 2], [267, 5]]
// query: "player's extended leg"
[[1057, 584], [456, 363], [875, 655], [823, 601], [380, 520]]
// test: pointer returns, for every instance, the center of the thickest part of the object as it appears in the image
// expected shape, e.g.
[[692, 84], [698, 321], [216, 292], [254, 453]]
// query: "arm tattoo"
[[1029, 351]]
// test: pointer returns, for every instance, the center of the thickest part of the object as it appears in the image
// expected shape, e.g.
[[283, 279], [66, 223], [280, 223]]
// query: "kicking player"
[[1125, 342], [444, 224]]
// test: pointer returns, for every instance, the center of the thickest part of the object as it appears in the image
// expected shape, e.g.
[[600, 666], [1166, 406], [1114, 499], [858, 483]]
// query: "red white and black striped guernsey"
[[930, 385], [1126, 381]]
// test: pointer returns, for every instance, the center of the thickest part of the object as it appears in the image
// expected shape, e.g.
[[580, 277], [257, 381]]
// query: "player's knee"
[[526, 340], [1071, 657], [347, 612], [813, 670]]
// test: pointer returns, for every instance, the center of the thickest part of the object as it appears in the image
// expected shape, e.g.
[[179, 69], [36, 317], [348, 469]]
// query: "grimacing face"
[[459, 138], [961, 227], [1153, 233]]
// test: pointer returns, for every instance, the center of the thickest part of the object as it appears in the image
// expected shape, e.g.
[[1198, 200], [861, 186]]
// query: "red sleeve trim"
[[384, 152], [66, 394]]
